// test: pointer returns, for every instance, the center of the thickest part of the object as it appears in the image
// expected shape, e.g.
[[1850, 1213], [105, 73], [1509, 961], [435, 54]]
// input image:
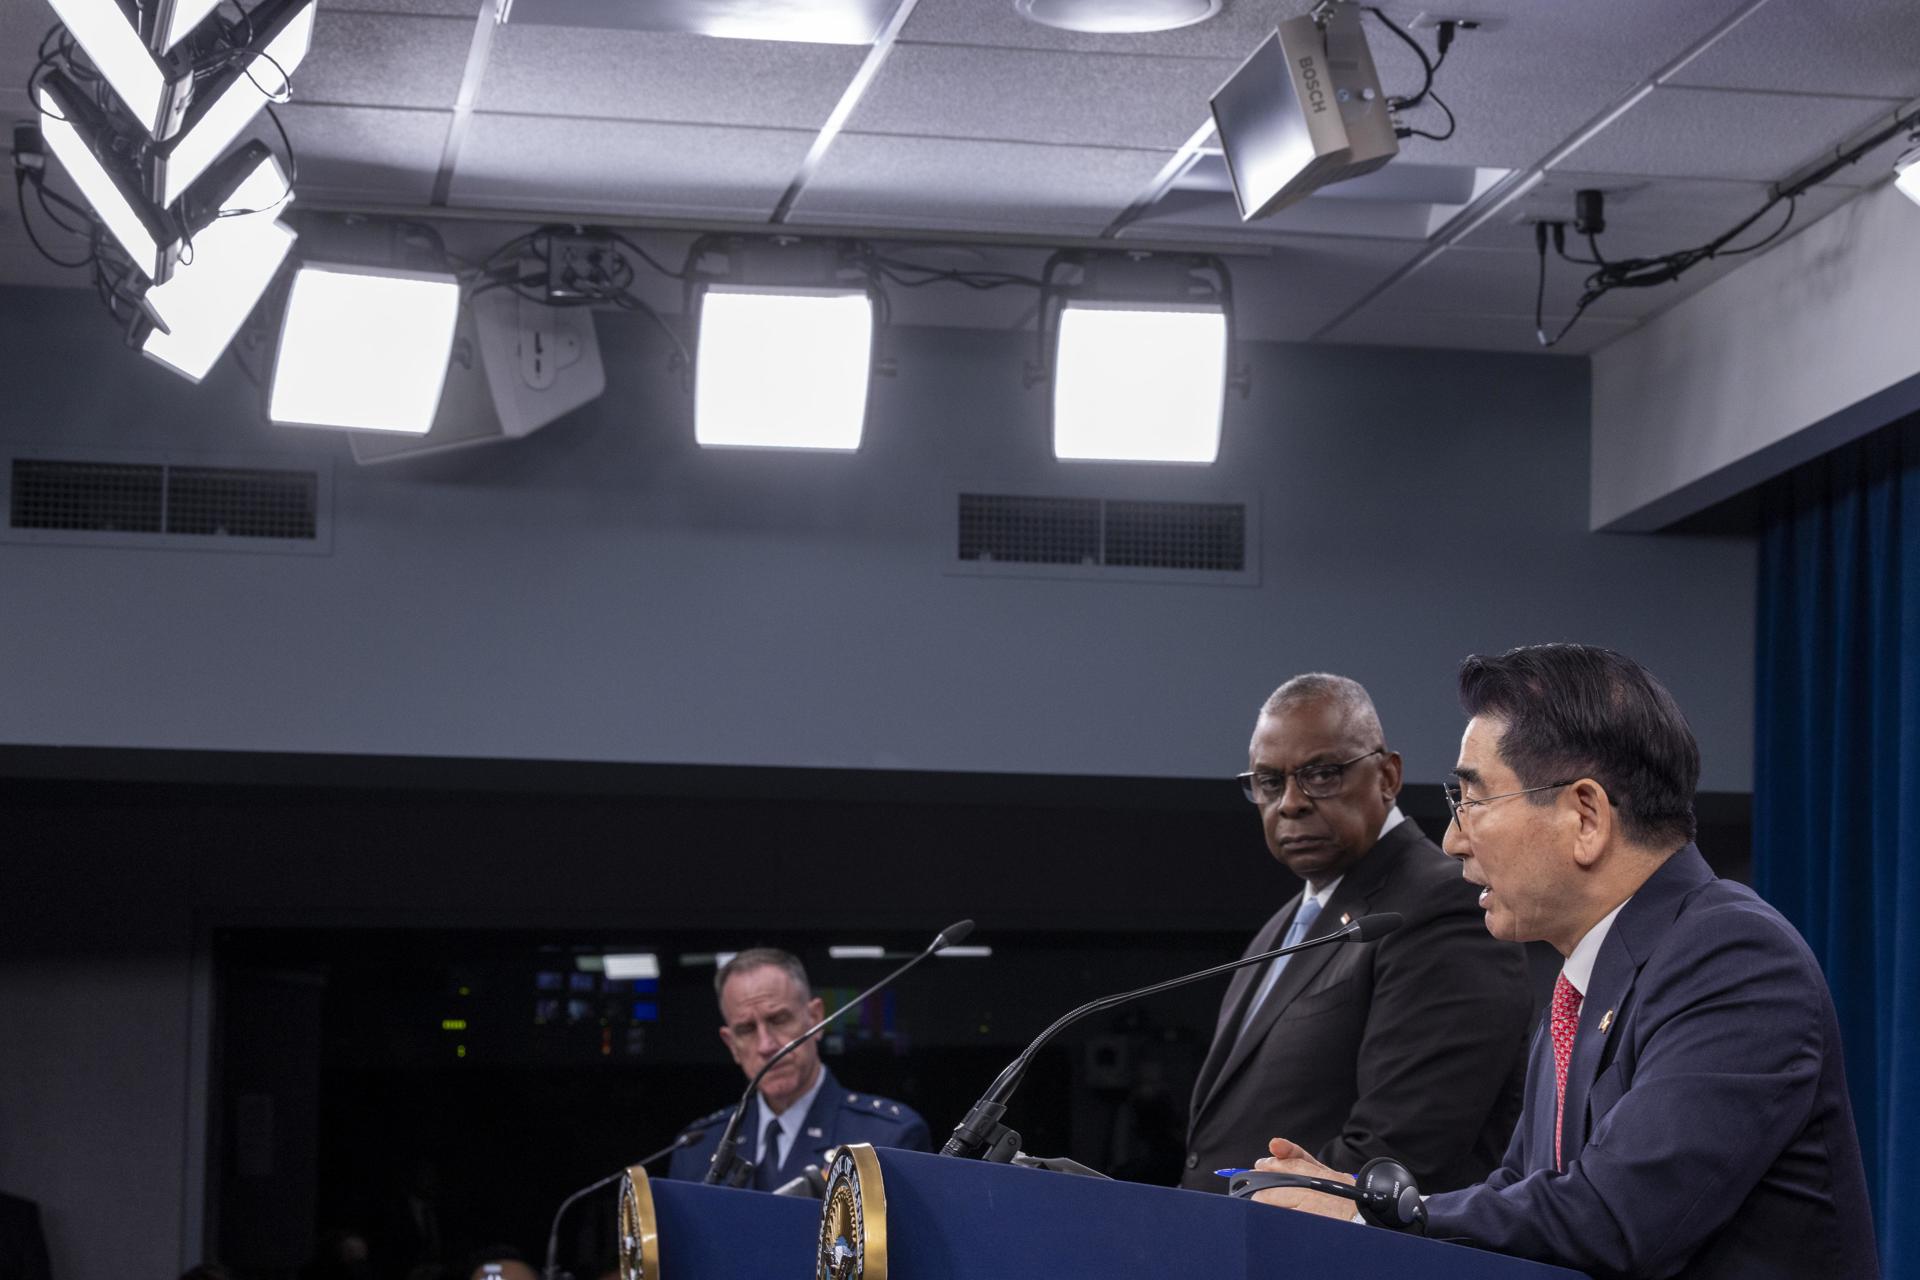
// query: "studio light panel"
[[1139, 383], [67, 122], [113, 43], [229, 102], [363, 348], [203, 304], [783, 368]]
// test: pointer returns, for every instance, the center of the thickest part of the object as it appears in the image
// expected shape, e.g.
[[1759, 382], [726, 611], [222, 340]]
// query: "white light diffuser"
[[364, 348], [640, 964], [852, 952], [114, 46], [225, 107], [66, 121], [212, 290], [1139, 382], [782, 368]]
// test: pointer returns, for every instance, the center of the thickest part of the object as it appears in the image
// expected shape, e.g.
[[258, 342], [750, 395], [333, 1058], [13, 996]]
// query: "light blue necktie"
[[1296, 933]]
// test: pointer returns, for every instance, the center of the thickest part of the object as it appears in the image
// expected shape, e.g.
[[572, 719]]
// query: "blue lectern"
[[719, 1233], [949, 1219]]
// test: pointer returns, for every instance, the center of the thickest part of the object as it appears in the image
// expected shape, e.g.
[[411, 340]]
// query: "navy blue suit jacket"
[[1708, 1132], [837, 1116]]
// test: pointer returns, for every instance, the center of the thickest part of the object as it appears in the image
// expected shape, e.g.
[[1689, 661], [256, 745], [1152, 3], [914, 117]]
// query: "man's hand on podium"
[[1290, 1157]]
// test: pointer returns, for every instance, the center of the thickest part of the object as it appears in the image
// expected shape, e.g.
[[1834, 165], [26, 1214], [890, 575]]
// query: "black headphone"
[[1383, 1189]]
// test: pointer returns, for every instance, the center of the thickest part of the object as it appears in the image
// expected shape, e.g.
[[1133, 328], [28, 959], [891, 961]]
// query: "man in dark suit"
[[800, 1111], [1686, 1107], [1412, 1046]]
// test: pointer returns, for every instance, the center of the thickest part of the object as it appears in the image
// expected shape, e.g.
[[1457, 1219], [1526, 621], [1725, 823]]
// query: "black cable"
[[1408, 131], [649, 259], [1426, 63], [20, 198]]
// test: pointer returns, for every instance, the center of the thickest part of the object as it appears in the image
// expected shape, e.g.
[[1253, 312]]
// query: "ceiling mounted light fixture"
[[196, 313], [229, 101], [364, 348], [1139, 357], [155, 90], [1116, 17], [79, 135]]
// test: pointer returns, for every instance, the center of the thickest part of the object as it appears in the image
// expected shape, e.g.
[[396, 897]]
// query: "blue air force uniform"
[[838, 1116]]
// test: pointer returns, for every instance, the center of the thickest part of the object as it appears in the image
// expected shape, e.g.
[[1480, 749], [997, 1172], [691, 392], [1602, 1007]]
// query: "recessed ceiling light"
[[1116, 17]]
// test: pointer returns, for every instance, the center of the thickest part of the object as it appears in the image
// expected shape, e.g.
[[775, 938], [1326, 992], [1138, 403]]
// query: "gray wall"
[[1793, 355], [607, 591]]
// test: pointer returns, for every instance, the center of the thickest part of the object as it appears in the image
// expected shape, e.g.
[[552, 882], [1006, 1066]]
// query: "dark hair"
[[1577, 711], [763, 958]]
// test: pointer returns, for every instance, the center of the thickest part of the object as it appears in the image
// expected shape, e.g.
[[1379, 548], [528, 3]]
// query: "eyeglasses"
[[1459, 807], [1316, 781]]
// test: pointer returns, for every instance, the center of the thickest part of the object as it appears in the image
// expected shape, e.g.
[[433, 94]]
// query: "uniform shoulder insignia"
[[894, 1107], [876, 1104], [853, 1098], [717, 1116]]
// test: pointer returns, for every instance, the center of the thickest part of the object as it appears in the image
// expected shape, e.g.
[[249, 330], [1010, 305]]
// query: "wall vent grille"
[[1171, 540], [127, 503]]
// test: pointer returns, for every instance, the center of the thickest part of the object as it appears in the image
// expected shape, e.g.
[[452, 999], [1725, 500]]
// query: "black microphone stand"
[[552, 1272], [728, 1167], [981, 1135]]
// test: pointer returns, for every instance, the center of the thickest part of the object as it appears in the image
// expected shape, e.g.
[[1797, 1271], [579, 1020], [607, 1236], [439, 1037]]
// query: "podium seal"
[[639, 1229], [853, 1221]]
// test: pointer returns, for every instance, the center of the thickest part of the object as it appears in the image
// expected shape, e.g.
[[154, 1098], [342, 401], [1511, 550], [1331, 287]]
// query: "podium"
[[948, 1219], [903, 1215]]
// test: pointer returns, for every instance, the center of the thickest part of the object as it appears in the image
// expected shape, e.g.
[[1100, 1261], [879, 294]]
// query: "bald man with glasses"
[[1412, 1046]]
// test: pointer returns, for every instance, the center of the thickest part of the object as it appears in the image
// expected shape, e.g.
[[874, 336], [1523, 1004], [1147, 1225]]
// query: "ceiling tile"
[[1377, 326], [1860, 48], [682, 79], [383, 60], [468, 9], [365, 153], [1075, 99], [1306, 282], [984, 186], [1231, 33], [1710, 133], [1647, 216], [629, 167]]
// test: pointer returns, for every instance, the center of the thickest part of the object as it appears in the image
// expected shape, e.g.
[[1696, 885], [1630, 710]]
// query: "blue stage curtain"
[[1836, 778]]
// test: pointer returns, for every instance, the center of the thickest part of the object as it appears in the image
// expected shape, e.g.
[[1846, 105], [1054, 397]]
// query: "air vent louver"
[[1103, 533], [113, 502]]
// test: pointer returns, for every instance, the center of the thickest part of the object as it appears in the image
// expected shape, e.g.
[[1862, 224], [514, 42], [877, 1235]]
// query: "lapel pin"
[[813, 1131], [1606, 1022], [1346, 917]]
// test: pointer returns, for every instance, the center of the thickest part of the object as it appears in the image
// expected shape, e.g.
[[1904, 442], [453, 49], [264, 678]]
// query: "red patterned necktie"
[[1566, 1022]]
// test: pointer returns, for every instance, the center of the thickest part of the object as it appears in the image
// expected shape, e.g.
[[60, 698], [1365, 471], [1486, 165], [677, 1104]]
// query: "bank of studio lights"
[[143, 116]]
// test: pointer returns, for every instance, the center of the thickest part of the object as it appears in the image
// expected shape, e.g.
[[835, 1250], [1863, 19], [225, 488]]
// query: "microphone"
[[1383, 1189], [981, 1133], [811, 1182], [685, 1139], [727, 1166]]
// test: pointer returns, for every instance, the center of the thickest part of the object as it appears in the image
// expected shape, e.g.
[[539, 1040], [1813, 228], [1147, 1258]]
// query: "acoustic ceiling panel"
[[468, 9], [1306, 283], [1857, 48], [969, 185], [1232, 33], [384, 60], [365, 153], [1709, 133], [1071, 99], [1647, 216], [665, 77], [625, 167]]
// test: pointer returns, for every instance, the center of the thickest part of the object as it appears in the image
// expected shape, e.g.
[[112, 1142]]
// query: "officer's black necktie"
[[767, 1177]]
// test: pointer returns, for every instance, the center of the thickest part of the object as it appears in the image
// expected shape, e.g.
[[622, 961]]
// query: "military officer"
[[800, 1111]]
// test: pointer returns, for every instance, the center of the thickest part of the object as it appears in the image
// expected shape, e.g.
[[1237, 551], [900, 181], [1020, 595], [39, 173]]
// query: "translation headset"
[[1383, 1189]]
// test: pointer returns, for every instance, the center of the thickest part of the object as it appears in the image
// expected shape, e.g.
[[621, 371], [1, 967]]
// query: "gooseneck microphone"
[[727, 1167], [685, 1139], [981, 1134]]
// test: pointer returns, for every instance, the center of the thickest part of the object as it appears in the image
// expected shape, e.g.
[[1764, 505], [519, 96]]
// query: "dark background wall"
[[606, 592]]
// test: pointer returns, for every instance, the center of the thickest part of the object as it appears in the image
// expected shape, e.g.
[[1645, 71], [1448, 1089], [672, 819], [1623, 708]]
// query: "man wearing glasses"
[[1686, 1107], [1413, 1046]]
